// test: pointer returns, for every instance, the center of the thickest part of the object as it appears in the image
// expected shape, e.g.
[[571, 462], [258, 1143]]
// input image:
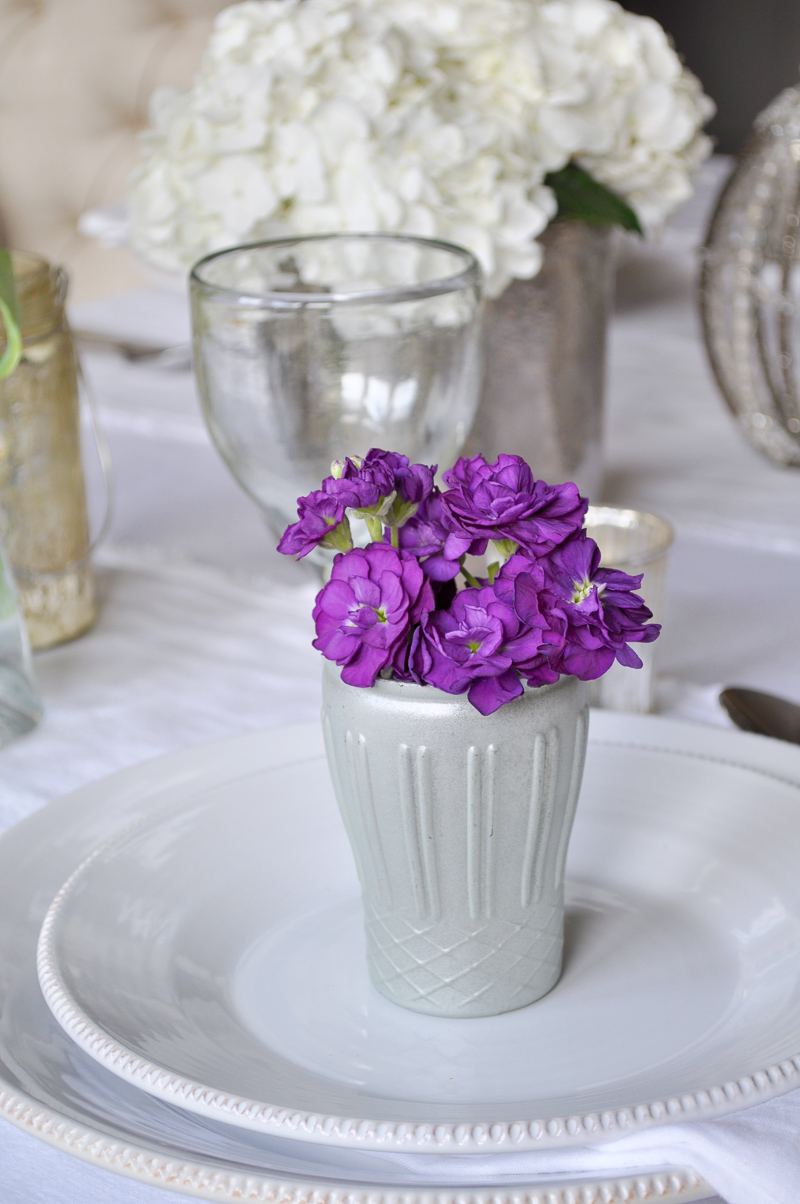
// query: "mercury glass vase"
[[545, 348], [42, 494], [311, 349], [459, 825]]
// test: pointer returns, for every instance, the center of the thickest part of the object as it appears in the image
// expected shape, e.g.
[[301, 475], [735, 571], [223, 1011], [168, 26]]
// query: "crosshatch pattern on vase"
[[422, 958], [417, 964], [459, 826]]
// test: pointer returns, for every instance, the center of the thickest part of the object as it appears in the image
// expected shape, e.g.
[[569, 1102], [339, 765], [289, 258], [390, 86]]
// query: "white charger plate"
[[52, 1090], [212, 956]]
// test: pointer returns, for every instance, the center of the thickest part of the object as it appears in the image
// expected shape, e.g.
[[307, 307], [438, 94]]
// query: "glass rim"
[[624, 518], [41, 290], [469, 276], [30, 264]]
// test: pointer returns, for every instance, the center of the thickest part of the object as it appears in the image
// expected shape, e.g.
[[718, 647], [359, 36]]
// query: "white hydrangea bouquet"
[[473, 121]]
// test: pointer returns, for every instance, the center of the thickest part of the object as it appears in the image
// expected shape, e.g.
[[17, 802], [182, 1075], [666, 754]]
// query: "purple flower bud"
[[360, 486], [320, 522], [415, 483], [412, 482], [365, 613]]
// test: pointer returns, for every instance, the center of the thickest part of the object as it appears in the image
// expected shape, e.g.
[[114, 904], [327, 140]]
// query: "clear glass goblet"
[[311, 349]]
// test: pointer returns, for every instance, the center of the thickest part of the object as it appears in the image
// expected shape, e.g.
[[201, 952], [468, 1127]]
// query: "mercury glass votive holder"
[[311, 349], [43, 514], [634, 542]]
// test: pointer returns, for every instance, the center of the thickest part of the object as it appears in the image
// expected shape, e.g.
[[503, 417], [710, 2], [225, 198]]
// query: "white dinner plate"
[[52, 1090], [212, 955]]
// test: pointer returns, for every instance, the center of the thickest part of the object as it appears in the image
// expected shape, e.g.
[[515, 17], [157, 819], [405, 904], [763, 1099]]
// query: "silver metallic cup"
[[545, 360], [311, 349], [634, 542]]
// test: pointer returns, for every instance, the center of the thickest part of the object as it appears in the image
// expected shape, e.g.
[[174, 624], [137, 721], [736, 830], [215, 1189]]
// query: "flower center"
[[363, 616], [474, 645], [581, 590]]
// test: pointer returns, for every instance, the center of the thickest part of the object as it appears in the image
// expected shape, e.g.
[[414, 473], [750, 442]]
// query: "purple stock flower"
[[383, 483], [393, 608], [602, 611], [365, 613], [424, 536], [473, 648], [320, 515], [413, 482], [362, 485], [522, 584], [504, 501]]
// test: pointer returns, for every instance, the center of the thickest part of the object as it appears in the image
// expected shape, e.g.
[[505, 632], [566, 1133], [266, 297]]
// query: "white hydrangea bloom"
[[433, 117]]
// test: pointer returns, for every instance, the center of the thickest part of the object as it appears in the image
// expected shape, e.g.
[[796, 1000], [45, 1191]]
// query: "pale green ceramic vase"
[[459, 825]]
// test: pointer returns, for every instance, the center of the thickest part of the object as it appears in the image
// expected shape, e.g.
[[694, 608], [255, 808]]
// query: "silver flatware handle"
[[134, 350], [756, 711]]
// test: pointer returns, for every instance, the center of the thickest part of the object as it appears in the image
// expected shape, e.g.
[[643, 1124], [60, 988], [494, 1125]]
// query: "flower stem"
[[470, 580], [375, 528]]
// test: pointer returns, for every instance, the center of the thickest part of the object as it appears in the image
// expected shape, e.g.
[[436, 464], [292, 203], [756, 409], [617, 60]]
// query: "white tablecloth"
[[205, 631]]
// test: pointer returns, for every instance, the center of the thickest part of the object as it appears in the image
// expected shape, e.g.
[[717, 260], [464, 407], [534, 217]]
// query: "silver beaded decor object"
[[750, 284]]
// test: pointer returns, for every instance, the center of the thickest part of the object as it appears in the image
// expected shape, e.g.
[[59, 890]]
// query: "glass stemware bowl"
[[310, 349]]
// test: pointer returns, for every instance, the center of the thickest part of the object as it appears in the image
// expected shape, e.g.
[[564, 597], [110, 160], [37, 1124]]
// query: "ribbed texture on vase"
[[459, 825]]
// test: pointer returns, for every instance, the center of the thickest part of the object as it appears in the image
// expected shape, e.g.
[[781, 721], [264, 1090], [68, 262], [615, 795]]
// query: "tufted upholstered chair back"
[[75, 80]]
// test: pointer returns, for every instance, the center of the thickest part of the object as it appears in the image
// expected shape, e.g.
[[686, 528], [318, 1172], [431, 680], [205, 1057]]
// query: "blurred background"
[[76, 76], [744, 51]]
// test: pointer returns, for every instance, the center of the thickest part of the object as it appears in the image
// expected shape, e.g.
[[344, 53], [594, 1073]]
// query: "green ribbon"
[[9, 312]]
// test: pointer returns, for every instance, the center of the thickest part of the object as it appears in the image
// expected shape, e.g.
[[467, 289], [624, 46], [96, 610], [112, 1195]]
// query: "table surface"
[[205, 631]]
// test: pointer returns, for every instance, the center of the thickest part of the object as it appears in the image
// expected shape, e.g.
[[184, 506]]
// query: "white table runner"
[[205, 631]]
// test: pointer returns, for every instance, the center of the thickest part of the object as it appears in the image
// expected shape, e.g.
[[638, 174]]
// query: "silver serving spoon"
[[763, 713]]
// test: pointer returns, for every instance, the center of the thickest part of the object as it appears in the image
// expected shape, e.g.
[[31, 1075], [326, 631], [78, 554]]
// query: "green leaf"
[[9, 311], [581, 197]]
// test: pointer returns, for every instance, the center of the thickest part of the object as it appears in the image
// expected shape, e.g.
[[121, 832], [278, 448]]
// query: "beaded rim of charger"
[[209, 1182], [461, 1138]]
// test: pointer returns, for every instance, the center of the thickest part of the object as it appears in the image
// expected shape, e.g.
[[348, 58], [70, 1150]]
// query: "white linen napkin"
[[749, 1157]]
